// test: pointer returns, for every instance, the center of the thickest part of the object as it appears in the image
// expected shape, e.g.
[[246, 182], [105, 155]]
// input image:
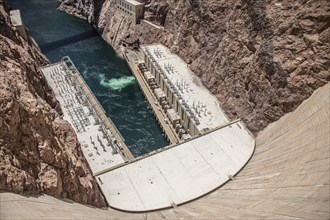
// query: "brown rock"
[[325, 36]]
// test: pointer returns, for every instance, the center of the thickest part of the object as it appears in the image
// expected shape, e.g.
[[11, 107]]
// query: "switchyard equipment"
[[179, 91]]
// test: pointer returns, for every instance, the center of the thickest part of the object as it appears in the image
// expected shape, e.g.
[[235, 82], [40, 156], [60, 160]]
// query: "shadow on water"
[[69, 40]]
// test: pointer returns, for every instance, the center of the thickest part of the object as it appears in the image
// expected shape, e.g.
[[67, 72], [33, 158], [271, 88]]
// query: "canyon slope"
[[261, 59], [39, 151]]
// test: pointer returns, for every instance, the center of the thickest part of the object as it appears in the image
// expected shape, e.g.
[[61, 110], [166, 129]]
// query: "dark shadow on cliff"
[[66, 41]]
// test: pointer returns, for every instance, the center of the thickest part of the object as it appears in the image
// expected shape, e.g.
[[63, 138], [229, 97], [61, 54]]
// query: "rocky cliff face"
[[39, 152], [260, 58]]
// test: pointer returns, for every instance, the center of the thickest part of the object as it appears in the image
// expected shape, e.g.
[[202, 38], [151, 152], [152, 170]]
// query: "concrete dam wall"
[[287, 178]]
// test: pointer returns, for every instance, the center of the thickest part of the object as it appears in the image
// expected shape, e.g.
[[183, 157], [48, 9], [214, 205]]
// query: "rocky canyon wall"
[[39, 151], [260, 58]]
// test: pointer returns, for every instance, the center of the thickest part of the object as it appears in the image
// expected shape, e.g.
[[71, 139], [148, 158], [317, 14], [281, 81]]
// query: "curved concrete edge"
[[194, 199], [180, 174]]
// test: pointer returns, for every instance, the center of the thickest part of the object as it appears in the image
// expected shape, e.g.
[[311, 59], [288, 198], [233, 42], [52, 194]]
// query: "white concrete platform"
[[100, 154], [179, 174]]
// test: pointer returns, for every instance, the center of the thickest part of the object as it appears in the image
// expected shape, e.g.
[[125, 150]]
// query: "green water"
[[117, 84], [108, 76]]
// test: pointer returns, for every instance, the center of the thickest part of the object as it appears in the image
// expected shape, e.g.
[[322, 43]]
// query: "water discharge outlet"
[[117, 83]]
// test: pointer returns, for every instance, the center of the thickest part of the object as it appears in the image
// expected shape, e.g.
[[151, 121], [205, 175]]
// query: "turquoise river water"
[[59, 34]]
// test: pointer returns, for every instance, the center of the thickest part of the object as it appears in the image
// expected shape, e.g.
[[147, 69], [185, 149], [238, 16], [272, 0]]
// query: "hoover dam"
[[141, 129]]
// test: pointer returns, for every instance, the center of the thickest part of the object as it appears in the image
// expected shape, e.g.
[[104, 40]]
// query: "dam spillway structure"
[[287, 178], [198, 163]]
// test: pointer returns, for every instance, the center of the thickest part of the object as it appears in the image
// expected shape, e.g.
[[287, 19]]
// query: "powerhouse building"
[[189, 106], [132, 8]]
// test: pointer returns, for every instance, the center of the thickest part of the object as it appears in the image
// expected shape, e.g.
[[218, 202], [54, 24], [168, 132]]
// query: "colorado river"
[[59, 34]]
